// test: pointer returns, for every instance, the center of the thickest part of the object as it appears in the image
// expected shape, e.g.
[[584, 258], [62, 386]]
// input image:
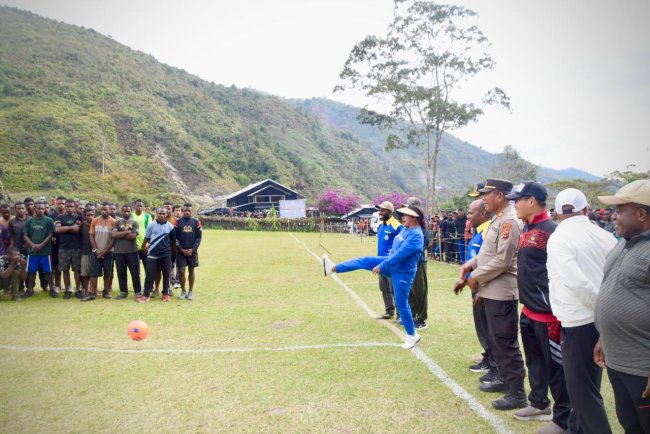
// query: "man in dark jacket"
[[188, 239], [540, 329], [459, 223]]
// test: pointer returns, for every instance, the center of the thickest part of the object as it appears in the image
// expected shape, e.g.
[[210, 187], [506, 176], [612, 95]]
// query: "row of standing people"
[[73, 238], [585, 304]]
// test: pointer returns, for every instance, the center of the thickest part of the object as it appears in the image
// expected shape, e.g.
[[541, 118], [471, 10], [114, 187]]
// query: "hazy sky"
[[577, 72]]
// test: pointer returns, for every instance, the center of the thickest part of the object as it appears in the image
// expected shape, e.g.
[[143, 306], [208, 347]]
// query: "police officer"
[[494, 274]]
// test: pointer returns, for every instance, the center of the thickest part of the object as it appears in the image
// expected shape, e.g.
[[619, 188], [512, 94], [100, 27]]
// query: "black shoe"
[[386, 316], [490, 376], [89, 297], [497, 385], [122, 296], [53, 293], [28, 293], [79, 294], [511, 401], [420, 325], [480, 367], [106, 294], [67, 295]]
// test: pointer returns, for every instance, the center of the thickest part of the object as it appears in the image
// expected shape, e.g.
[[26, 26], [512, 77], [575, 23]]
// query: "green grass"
[[254, 290]]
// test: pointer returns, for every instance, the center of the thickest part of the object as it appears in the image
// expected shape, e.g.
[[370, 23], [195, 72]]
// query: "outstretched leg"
[[363, 263]]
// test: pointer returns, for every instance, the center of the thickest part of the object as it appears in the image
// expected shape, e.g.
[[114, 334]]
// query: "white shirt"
[[576, 258]]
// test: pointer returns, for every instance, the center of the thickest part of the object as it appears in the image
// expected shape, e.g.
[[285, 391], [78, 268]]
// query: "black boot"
[[513, 399]]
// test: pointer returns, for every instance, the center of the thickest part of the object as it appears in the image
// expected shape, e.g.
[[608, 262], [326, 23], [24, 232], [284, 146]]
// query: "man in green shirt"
[[38, 232], [143, 218]]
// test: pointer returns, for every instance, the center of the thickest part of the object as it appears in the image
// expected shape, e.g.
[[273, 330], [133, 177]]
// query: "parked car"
[[224, 211]]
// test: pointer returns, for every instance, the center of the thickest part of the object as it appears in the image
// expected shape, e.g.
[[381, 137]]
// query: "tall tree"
[[591, 189], [429, 51], [628, 175], [512, 166]]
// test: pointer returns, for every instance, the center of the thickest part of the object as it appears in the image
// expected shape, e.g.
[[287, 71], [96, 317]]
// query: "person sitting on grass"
[[400, 265], [12, 271]]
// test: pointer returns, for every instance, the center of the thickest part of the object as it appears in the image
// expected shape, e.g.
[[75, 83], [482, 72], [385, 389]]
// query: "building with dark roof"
[[260, 196]]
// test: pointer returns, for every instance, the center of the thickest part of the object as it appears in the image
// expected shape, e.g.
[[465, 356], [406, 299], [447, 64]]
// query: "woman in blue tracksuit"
[[400, 265]]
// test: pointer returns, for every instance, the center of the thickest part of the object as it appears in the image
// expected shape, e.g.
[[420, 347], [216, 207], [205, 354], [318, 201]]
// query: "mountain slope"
[[67, 93], [460, 163], [75, 104]]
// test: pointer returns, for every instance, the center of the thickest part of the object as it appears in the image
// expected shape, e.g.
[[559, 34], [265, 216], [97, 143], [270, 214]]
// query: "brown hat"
[[386, 205], [634, 192]]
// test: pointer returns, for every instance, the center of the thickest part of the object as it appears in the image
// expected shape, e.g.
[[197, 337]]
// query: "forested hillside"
[[73, 101], [67, 92]]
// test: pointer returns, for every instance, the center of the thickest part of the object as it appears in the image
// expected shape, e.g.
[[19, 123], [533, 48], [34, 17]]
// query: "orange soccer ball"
[[138, 330]]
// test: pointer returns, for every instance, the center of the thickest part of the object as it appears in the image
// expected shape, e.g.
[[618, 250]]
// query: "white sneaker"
[[411, 340], [328, 264]]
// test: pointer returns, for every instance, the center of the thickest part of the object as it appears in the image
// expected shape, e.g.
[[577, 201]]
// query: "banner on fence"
[[292, 209]]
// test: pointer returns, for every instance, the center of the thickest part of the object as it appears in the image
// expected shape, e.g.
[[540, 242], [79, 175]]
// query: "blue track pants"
[[401, 285]]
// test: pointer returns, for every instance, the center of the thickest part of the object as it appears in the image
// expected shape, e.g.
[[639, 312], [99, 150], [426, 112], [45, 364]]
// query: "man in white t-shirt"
[[576, 259]]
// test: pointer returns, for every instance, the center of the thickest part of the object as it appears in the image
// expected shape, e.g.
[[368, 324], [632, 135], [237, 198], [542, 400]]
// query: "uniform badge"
[[505, 230]]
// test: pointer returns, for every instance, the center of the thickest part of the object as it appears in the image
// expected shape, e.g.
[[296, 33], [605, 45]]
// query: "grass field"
[[268, 345]]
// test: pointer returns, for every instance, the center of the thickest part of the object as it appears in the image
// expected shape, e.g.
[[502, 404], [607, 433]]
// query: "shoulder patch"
[[505, 230]]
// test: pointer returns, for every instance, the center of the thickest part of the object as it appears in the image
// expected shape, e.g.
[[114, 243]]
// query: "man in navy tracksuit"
[[160, 237], [540, 329], [188, 240]]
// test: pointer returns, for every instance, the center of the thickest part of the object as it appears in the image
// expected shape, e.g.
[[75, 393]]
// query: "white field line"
[[435, 369], [198, 351]]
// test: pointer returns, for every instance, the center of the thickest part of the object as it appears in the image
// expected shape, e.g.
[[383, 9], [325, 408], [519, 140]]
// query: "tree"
[[591, 189], [513, 167], [628, 175], [396, 198], [430, 50], [337, 201]]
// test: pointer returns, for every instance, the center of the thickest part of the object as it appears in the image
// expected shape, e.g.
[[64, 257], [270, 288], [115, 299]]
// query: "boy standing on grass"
[[125, 233], [101, 257], [38, 233], [188, 239], [160, 238], [143, 218], [67, 227], [86, 251]]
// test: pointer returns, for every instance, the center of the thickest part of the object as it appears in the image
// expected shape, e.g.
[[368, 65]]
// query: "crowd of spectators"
[[92, 240]]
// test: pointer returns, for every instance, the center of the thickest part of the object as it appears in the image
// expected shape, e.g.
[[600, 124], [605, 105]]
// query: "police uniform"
[[495, 270]]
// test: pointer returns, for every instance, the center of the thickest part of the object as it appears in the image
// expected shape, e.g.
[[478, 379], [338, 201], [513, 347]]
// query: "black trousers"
[[583, 378], [132, 262], [419, 295], [143, 258], [481, 327], [544, 371], [153, 265], [502, 331], [386, 288], [633, 412]]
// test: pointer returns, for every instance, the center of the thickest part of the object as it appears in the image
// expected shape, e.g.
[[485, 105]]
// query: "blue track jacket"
[[405, 253], [386, 234]]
